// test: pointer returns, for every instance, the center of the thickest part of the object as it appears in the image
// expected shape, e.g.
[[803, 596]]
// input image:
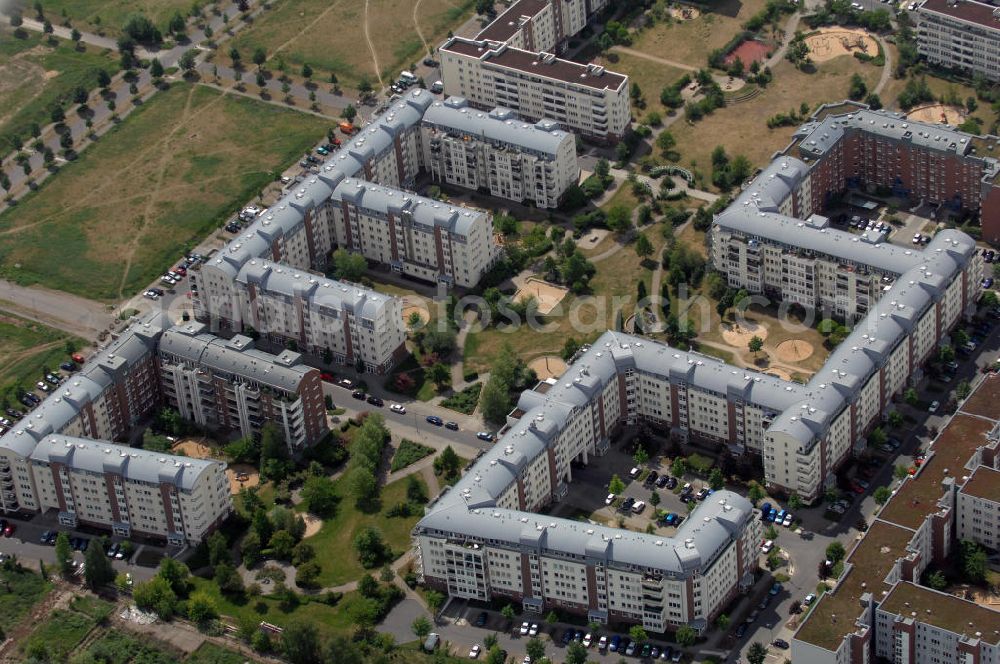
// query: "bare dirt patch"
[[242, 475], [829, 43], [418, 309], [313, 524], [740, 334], [547, 295], [194, 448], [780, 373], [794, 350], [750, 51], [684, 13], [547, 366], [953, 115]]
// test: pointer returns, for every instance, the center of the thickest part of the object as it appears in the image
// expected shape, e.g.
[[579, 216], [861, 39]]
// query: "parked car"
[[662, 480], [610, 499], [630, 649], [485, 435], [616, 641], [451, 425], [787, 521], [435, 420], [775, 589], [933, 408], [651, 478], [397, 408], [780, 643], [635, 472], [809, 599], [474, 651], [69, 366], [359, 395], [375, 401], [524, 629], [533, 630], [567, 636], [627, 504], [602, 643], [638, 507], [767, 546]]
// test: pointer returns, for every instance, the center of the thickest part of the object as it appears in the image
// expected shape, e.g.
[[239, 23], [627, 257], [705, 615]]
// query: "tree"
[[643, 247], [619, 218], [434, 599], [307, 574], [757, 653], [535, 648], [641, 456], [156, 68], [882, 495], [795, 502], [900, 472], [300, 642], [348, 266], [281, 545], [576, 653], [877, 437], [349, 113], [716, 479], [155, 595], [962, 390], [141, 29], [638, 634], [857, 88], [259, 57], [370, 547], [666, 142], [450, 461], [98, 571], [616, 486], [307, 71], [251, 549], [835, 552], [64, 554], [187, 61], [421, 627], [895, 419], [57, 115], [507, 612], [973, 559], [175, 573], [201, 608], [755, 344], [320, 495], [911, 397], [177, 26], [937, 580], [552, 617], [218, 549], [485, 7], [722, 622], [756, 493], [686, 636], [679, 467], [439, 374]]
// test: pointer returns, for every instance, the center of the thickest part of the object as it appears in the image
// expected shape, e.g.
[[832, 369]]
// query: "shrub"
[[465, 401], [409, 453]]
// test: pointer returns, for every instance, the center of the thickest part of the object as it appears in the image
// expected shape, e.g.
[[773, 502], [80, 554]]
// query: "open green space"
[[22, 590], [54, 639], [106, 17], [651, 77], [37, 73], [152, 187], [26, 350], [337, 533], [408, 454], [331, 36]]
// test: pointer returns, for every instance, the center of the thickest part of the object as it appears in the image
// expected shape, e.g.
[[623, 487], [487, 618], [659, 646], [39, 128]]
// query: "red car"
[[328, 377], [77, 358], [857, 488], [9, 530], [181, 270]]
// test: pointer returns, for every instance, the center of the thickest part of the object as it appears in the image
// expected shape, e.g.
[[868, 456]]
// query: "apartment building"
[[416, 236], [497, 153], [583, 98], [978, 508], [960, 34], [541, 25], [878, 609], [228, 384], [129, 491]]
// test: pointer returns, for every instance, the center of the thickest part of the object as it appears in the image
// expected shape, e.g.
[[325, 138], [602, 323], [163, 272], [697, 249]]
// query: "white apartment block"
[[978, 508], [497, 153], [228, 384], [583, 98], [129, 491], [416, 236], [541, 25], [960, 34]]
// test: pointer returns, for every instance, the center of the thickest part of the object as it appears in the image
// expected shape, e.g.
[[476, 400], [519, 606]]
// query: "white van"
[[407, 77], [437, 87]]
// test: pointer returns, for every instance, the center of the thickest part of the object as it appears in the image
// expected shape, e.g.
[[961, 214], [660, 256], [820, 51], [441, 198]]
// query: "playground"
[[547, 366], [240, 475], [793, 350], [952, 115], [740, 334], [547, 295], [829, 43]]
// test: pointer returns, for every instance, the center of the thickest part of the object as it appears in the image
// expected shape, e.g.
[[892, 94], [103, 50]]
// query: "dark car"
[[69, 366], [671, 483], [375, 401], [359, 395], [627, 504], [662, 480], [451, 425], [16, 414], [651, 478], [32, 398], [430, 62], [567, 636], [780, 643], [435, 420], [741, 630], [481, 620]]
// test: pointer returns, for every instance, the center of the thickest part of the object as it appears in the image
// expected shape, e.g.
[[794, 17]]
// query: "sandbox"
[[548, 366], [830, 43], [933, 113], [242, 475], [547, 295], [313, 524], [684, 13], [794, 350], [194, 448], [739, 335]]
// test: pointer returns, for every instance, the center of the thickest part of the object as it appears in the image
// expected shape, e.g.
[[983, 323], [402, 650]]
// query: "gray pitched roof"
[[233, 356], [499, 126], [134, 464]]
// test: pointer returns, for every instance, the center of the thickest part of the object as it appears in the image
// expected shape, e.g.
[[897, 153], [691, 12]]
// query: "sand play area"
[[830, 43], [240, 474], [313, 524], [548, 295], [415, 305], [194, 448], [793, 350], [780, 373], [740, 334], [684, 13], [953, 115], [548, 366]]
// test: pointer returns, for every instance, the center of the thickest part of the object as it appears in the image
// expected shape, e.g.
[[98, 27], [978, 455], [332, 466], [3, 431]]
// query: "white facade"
[[960, 35], [497, 153], [584, 99], [978, 508]]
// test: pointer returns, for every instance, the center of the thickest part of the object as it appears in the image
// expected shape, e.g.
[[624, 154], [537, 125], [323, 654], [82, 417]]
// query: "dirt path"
[[653, 58], [59, 598], [371, 47], [63, 311], [886, 68], [416, 25], [306, 29]]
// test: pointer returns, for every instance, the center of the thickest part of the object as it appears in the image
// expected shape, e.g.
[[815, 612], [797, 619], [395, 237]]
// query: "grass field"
[[35, 75], [742, 128], [337, 533], [155, 185], [26, 589], [690, 42], [108, 16], [55, 638], [651, 76], [330, 36], [25, 348]]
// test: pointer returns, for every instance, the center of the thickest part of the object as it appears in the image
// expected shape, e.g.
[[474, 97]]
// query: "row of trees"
[[508, 375]]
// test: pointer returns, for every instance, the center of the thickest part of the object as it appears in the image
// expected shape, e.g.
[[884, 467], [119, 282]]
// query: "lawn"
[[107, 17], [26, 348], [57, 637], [690, 42], [941, 89], [742, 128], [337, 533], [26, 589], [651, 76], [35, 76], [464, 402], [209, 653], [330, 36], [154, 186], [408, 454]]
